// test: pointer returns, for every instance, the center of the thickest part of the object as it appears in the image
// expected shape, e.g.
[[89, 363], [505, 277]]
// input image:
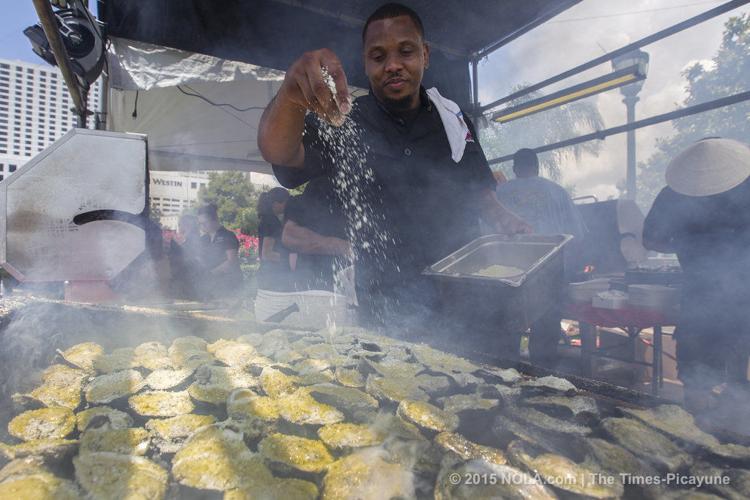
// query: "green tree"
[[729, 74], [547, 127], [235, 198]]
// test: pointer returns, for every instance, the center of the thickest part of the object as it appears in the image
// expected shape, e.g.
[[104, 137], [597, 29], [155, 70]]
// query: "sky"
[[575, 36]]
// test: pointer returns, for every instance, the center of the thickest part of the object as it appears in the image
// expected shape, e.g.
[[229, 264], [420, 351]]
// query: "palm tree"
[[547, 127]]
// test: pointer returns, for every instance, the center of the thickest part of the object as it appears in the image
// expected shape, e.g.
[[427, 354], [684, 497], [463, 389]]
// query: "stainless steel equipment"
[[84, 172], [492, 307]]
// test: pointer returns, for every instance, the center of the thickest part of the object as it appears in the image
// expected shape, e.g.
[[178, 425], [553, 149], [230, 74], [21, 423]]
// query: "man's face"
[[395, 60], [207, 224]]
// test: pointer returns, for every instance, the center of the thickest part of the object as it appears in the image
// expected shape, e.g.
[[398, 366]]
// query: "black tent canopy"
[[273, 33]]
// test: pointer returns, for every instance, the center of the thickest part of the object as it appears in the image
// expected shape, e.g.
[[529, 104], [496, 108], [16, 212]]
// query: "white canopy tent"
[[167, 94]]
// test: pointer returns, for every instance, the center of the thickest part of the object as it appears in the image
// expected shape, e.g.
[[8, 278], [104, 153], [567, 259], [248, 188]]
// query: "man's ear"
[[426, 52]]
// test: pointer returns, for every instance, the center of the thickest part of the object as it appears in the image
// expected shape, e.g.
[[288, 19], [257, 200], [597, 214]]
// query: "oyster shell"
[[433, 384], [107, 475], [563, 473], [463, 402], [244, 403], [169, 433], [55, 393], [506, 375], [344, 436], [505, 482], [51, 450], [119, 359], [467, 450], [427, 416], [439, 361], [394, 389], [276, 383], [116, 419], [232, 352], [38, 486], [276, 489], [83, 355], [550, 383], [646, 443], [106, 388], [540, 420], [613, 458], [576, 405], [213, 384], [166, 378], [131, 441], [349, 377], [190, 342], [307, 455], [161, 403], [302, 409], [395, 368], [352, 402], [216, 458], [45, 423], [366, 475]]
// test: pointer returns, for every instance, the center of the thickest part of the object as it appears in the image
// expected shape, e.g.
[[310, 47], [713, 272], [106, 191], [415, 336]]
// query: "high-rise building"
[[35, 110]]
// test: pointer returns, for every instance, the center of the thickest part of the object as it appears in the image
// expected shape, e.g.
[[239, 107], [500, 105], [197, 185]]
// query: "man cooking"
[[703, 215], [219, 247], [419, 182], [547, 206]]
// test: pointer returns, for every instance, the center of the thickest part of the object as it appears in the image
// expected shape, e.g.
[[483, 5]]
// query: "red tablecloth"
[[613, 318]]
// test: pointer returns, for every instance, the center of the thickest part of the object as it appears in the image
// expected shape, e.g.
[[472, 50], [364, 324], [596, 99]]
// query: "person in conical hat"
[[703, 215]]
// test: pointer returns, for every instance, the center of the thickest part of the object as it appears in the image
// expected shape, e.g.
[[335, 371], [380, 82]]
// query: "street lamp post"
[[630, 98]]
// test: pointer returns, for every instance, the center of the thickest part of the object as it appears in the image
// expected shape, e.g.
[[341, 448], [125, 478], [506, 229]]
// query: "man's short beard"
[[398, 105]]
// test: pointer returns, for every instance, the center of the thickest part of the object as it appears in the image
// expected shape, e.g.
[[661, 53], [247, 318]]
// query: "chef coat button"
[[407, 152]]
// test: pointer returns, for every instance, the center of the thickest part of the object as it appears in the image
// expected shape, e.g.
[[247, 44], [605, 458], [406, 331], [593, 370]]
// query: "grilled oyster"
[[170, 433], [83, 355], [117, 360], [161, 403], [646, 443], [45, 423], [107, 388], [463, 402], [166, 378], [293, 452], [276, 489], [244, 403], [394, 389], [503, 481], [302, 409], [366, 475], [613, 458], [25, 467], [313, 378], [309, 365], [116, 419], [395, 368], [216, 458], [51, 450], [433, 384], [39, 485], [427, 416], [466, 450], [132, 441], [352, 402], [190, 342], [190, 359], [276, 383], [349, 377], [676, 422], [506, 375], [213, 384], [110, 475], [542, 421], [439, 361], [58, 394], [573, 406], [345, 436], [550, 383], [563, 473], [232, 352]]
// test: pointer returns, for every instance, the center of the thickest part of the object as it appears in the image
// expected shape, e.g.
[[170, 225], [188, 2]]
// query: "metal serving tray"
[[491, 306]]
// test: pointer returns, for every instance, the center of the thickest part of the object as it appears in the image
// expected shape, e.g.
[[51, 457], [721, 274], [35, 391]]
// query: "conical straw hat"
[[710, 166]]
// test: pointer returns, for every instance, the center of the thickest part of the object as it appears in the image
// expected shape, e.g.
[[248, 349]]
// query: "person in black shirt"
[[184, 258], [315, 228], [274, 270], [414, 185], [219, 256], [703, 215]]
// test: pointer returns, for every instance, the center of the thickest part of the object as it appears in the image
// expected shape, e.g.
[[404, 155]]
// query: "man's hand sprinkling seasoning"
[[308, 85]]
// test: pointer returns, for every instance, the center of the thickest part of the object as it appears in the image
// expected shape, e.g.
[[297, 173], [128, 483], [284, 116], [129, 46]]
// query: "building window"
[[193, 185], [11, 168], [1, 177]]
